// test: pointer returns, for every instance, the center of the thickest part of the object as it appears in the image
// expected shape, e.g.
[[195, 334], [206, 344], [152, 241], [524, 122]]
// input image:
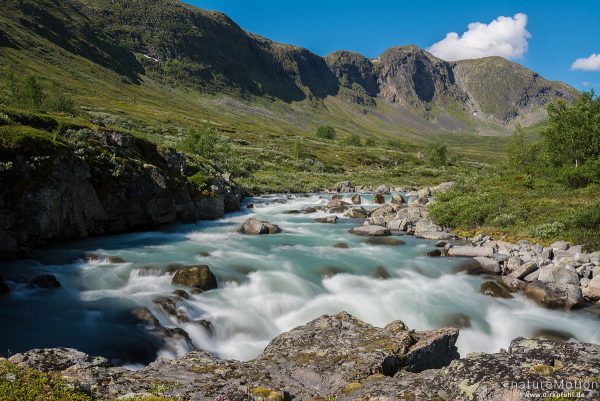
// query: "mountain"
[[406, 90]]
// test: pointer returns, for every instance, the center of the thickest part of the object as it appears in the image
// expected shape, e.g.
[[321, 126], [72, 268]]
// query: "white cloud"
[[505, 36], [591, 63]]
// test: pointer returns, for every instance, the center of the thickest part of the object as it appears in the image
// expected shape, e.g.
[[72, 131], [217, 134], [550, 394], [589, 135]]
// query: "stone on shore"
[[371, 230], [255, 226], [199, 277], [554, 295], [592, 291], [558, 274], [488, 265], [471, 251], [524, 270], [495, 290]]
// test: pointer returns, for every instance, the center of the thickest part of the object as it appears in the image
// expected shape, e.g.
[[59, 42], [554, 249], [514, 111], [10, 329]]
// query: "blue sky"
[[559, 31]]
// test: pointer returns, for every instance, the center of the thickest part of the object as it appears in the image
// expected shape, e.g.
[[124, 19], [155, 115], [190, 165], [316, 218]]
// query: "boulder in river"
[[341, 245], [371, 230], [336, 203], [255, 226], [384, 241], [356, 199], [494, 289], [554, 295], [380, 272], [46, 281], [358, 213], [328, 219], [379, 199], [170, 306], [199, 277], [488, 265], [397, 199]]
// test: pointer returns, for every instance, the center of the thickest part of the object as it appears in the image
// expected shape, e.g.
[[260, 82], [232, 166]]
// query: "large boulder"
[[255, 226], [397, 199], [488, 265], [382, 210], [199, 277], [554, 295], [592, 291], [371, 230], [379, 199], [356, 199], [327, 219], [558, 274], [522, 271]]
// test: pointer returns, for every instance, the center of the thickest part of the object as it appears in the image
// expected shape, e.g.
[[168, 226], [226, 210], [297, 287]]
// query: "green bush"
[[437, 154], [547, 230], [326, 132], [353, 140], [199, 181], [27, 93]]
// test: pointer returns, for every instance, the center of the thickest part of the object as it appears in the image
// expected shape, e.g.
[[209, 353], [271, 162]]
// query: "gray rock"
[[494, 289], [255, 226], [524, 270], [558, 274], [358, 213], [555, 295], [560, 246], [592, 291], [336, 203], [435, 235], [471, 251], [371, 230], [513, 263], [382, 189], [199, 277], [513, 284], [488, 265], [426, 225], [328, 219]]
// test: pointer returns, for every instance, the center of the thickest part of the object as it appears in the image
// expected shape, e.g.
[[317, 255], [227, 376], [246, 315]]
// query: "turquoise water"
[[267, 284]]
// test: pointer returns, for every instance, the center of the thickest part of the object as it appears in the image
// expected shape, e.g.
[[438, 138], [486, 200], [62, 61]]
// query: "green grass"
[[513, 205]]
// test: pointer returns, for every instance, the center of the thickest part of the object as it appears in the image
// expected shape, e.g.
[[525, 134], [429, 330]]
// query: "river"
[[268, 284]]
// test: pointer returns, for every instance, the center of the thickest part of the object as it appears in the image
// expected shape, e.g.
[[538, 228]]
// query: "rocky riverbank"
[[97, 182], [560, 275], [340, 357]]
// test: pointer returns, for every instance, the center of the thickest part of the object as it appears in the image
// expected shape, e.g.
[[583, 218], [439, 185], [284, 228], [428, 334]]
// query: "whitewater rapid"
[[267, 285]]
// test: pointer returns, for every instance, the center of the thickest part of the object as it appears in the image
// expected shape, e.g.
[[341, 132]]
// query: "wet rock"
[[341, 245], [182, 294], [330, 271], [115, 260], [334, 197], [380, 272], [456, 320], [250, 206], [46, 281], [170, 306], [292, 212], [384, 241], [441, 244], [91, 257], [494, 289], [512, 284], [434, 253], [255, 226], [204, 254], [554, 295], [470, 266], [199, 277], [378, 199], [371, 230], [146, 321], [334, 203], [488, 265], [309, 210], [328, 219], [356, 199], [206, 324], [471, 251]]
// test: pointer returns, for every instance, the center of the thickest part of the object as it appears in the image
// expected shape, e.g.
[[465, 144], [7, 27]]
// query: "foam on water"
[[267, 285]]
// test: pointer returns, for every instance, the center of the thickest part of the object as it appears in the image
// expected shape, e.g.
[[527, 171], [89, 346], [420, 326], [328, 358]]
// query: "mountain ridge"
[[184, 46]]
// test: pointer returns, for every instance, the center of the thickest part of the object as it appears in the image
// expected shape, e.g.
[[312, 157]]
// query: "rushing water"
[[267, 284]]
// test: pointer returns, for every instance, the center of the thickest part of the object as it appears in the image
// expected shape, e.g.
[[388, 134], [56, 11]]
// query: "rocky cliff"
[[341, 357], [80, 182]]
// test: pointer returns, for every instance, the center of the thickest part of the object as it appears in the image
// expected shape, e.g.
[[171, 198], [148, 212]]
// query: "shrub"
[[326, 132], [370, 142], [437, 154], [353, 140], [547, 230]]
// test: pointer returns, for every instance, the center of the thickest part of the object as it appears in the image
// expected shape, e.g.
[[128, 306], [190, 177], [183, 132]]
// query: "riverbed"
[[268, 284]]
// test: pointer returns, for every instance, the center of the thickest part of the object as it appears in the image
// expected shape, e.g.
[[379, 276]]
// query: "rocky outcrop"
[[325, 356], [200, 277], [98, 182], [339, 356]]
